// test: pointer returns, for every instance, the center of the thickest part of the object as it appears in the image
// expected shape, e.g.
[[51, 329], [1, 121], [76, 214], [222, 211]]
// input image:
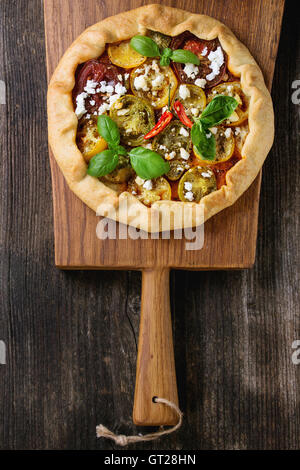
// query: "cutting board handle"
[[155, 374]]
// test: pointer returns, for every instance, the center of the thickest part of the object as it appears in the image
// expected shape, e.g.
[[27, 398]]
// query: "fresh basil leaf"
[[164, 61], [120, 150], [220, 108], [147, 164], [204, 141], [165, 56], [103, 163], [185, 57], [108, 129], [145, 46]]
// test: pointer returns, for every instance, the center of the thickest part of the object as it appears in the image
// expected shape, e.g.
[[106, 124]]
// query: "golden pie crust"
[[62, 121]]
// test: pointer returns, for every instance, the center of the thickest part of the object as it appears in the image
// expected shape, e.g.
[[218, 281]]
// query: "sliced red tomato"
[[191, 43], [97, 70]]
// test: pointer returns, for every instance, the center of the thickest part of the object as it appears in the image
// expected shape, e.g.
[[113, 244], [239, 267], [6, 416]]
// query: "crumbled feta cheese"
[[103, 108], [201, 82], [163, 147], [188, 186], [184, 154], [206, 174], [126, 76], [204, 52], [113, 99], [122, 112], [208, 136], [80, 104], [155, 66], [133, 192], [170, 156], [216, 61], [237, 130], [110, 89], [158, 80], [92, 102], [120, 77], [184, 92], [227, 133], [139, 181], [164, 109], [195, 111], [140, 83], [189, 196], [184, 132], [214, 130], [90, 87], [191, 70], [148, 185], [148, 146], [120, 89]]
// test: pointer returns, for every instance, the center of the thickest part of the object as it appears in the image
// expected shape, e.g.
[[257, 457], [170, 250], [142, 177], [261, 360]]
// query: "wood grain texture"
[[71, 336], [228, 233], [155, 370]]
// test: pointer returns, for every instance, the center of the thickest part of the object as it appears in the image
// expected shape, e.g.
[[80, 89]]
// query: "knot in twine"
[[123, 440]]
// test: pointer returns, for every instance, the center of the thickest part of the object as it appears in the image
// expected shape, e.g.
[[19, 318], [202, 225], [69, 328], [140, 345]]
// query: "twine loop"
[[123, 440]]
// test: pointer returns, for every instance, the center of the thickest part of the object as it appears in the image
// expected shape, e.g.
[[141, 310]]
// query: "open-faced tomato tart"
[[158, 109]]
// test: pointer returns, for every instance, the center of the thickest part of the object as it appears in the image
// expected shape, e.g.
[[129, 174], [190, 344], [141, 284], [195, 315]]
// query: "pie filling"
[[160, 107]]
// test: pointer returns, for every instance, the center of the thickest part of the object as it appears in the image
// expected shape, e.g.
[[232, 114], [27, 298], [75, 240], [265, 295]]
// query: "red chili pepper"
[[161, 124], [179, 108]]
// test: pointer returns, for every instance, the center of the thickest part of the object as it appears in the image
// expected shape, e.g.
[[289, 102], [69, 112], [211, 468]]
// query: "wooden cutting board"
[[229, 237]]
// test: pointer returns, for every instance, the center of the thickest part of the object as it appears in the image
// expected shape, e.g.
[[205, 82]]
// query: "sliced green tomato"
[[161, 190], [193, 104], [224, 147], [168, 144], [152, 82], [122, 173], [177, 168], [233, 89], [134, 117], [88, 139], [196, 183], [162, 40]]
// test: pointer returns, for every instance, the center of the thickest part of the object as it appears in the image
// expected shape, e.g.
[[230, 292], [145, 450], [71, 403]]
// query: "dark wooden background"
[[71, 336]]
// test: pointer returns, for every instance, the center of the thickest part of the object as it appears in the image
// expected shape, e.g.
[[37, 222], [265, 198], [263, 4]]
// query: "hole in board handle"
[[154, 399]]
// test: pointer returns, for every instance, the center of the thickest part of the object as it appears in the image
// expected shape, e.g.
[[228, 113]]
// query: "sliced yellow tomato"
[[196, 183], [233, 89], [152, 82], [160, 190], [195, 100], [224, 146], [240, 134], [123, 55], [89, 141]]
